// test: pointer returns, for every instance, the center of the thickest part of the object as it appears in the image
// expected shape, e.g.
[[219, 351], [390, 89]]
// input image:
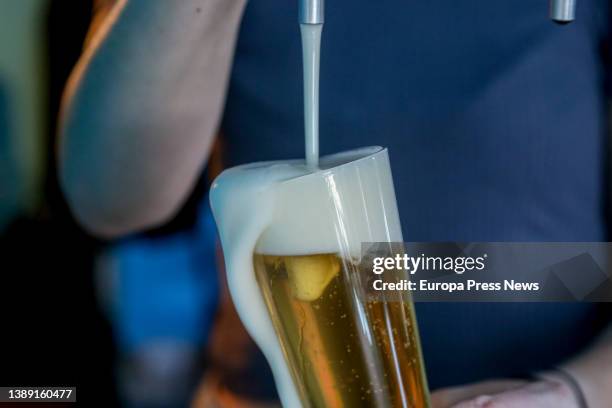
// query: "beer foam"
[[332, 210], [286, 208]]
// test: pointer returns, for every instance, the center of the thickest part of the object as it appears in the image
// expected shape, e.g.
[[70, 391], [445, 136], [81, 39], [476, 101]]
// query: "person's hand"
[[543, 393]]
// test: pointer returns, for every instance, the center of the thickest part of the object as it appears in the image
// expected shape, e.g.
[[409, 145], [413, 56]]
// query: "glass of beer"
[[292, 240]]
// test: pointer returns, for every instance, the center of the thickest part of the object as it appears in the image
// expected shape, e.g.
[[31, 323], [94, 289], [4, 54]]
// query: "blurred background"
[[125, 322], [55, 332]]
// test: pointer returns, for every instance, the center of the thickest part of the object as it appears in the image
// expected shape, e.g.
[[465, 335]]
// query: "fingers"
[[541, 394], [483, 401], [448, 397]]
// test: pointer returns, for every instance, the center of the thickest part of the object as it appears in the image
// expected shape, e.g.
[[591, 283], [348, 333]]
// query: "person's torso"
[[494, 119]]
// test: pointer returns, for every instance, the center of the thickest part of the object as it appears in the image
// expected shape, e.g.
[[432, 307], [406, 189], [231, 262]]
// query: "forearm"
[[141, 110], [593, 371]]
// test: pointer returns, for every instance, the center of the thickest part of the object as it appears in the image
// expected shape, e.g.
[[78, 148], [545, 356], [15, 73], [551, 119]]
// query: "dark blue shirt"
[[496, 126]]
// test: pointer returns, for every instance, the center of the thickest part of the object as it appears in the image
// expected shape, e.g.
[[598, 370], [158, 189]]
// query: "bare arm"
[[141, 110]]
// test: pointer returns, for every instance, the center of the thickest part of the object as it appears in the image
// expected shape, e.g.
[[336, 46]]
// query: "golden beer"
[[343, 347]]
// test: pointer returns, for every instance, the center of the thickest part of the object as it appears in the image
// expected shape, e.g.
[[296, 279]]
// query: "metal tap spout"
[[562, 11], [312, 11]]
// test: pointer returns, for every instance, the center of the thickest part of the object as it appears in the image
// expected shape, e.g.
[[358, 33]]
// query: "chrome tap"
[[562, 11], [312, 11]]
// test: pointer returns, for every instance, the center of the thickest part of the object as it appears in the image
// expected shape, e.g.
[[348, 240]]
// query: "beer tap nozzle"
[[562, 11], [312, 11]]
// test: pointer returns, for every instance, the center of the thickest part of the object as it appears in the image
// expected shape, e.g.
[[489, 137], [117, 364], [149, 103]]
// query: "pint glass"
[[292, 240]]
